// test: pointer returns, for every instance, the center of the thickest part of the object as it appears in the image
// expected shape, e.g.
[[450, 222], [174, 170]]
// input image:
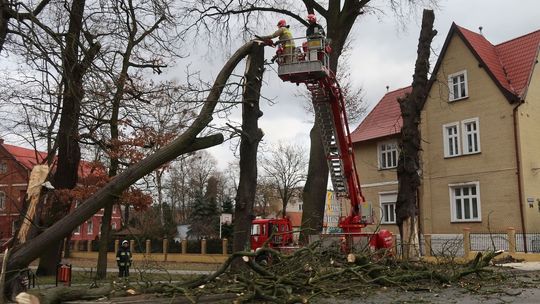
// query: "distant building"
[[15, 166]]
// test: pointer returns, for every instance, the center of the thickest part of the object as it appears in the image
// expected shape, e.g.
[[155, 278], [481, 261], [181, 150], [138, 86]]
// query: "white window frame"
[[77, 230], [475, 133], [447, 138], [453, 202], [113, 225], [89, 227], [3, 167], [2, 200], [387, 201], [388, 152], [451, 78]]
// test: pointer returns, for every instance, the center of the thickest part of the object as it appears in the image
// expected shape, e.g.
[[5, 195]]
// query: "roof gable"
[[384, 119], [28, 158], [509, 64]]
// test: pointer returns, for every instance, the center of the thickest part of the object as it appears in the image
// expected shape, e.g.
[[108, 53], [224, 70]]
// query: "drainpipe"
[[518, 163]]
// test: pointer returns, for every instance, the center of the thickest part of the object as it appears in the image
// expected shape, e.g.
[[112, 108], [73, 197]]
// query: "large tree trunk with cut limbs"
[[69, 153], [340, 20], [410, 145], [251, 135], [184, 143]]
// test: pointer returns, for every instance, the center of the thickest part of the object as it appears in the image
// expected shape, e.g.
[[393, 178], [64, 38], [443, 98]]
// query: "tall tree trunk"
[[4, 18], [314, 194], [410, 142], [251, 136], [69, 153]]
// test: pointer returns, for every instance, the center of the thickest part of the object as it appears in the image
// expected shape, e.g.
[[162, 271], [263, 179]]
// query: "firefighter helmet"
[[311, 18], [281, 23]]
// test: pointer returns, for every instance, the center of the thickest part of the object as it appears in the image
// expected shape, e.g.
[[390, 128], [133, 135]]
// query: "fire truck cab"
[[279, 229]]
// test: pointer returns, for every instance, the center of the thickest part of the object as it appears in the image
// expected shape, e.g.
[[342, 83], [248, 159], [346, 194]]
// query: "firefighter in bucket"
[[286, 48], [123, 259]]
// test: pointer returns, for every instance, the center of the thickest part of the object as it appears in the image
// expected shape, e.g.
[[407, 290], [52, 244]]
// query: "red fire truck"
[[310, 66]]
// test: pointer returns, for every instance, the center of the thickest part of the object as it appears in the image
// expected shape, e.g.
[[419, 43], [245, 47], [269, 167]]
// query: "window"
[[3, 167], [461, 138], [114, 226], [388, 207], [2, 200], [89, 227], [471, 136], [77, 230], [457, 86], [255, 229], [388, 155], [465, 202], [300, 207], [451, 140]]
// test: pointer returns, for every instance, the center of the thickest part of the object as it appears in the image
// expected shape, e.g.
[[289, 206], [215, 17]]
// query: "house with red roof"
[[15, 166], [480, 139]]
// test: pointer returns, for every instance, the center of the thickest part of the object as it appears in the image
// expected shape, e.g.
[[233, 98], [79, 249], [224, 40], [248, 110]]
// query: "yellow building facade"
[[480, 140]]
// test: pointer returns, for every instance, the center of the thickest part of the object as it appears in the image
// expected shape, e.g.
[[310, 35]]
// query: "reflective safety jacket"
[[285, 36], [123, 257]]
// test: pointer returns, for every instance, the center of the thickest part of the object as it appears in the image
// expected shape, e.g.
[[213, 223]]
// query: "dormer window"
[[457, 86], [3, 167]]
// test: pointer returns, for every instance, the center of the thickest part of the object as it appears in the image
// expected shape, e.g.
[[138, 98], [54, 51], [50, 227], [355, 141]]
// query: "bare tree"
[[285, 167], [187, 142]]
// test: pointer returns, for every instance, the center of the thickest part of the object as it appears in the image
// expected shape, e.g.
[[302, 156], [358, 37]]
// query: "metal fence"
[[447, 245], [491, 241], [532, 240]]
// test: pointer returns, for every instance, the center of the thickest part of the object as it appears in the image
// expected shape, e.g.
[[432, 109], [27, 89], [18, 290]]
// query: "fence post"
[[132, 246], [89, 246], [224, 245], [511, 239], [148, 247], [116, 245], [165, 248], [467, 242], [203, 246], [184, 246], [76, 246], [427, 241]]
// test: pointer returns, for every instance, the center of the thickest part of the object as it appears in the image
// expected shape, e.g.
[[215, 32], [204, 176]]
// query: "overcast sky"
[[383, 54]]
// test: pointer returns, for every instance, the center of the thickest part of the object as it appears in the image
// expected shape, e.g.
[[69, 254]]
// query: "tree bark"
[[249, 142], [4, 18], [314, 194], [187, 142], [69, 153], [410, 145]]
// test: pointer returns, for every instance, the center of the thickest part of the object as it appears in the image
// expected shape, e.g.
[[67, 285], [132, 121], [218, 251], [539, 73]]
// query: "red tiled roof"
[[510, 63], [26, 157], [29, 158], [384, 119]]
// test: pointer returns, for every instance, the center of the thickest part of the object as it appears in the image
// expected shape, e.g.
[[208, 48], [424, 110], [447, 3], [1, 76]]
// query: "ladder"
[[325, 121]]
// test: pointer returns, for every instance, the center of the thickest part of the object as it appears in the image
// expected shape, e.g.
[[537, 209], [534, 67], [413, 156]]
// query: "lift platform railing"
[[301, 49]]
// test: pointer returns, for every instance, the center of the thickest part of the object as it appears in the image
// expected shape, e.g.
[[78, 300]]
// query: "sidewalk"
[[527, 266], [157, 271]]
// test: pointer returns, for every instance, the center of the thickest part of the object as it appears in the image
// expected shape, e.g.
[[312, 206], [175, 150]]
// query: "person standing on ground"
[[123, 259]]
